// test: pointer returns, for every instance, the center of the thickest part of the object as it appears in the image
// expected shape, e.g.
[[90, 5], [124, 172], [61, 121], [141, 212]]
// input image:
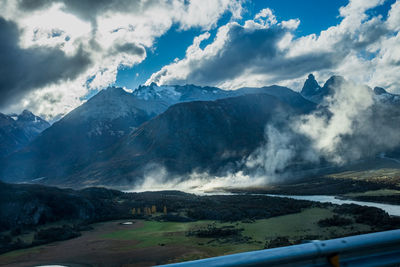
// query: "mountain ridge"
[[62, 149], [16, 131], [116, 134]]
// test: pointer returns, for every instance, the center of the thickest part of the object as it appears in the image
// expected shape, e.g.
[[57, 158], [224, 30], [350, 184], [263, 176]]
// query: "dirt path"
[[91, 249]]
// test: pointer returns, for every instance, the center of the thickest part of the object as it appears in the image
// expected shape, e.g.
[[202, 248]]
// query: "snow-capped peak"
[[155, 92]]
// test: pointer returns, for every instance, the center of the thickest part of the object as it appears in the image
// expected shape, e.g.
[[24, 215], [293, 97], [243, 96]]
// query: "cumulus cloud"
[[264, 51], [99, 37], [107, 35], [237, 50]]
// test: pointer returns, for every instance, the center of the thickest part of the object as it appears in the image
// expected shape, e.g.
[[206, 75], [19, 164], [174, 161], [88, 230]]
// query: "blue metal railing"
[[376, 249]]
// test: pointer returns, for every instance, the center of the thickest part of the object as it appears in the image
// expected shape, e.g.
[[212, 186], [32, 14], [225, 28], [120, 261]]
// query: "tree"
[[147, 211]]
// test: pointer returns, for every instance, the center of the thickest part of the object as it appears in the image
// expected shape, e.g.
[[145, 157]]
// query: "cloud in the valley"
[[349, 125]]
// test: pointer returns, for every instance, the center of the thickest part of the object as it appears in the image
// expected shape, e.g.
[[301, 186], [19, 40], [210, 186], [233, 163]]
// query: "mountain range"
[[117, 137], [314, 92], [16, 131]]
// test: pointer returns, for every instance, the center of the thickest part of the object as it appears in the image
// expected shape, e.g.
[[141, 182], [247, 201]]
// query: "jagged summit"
[[315, 93], [173, 94], [32, 123], [153, 92], [26, 112], [26, 115], [333, 81], [311, 86]]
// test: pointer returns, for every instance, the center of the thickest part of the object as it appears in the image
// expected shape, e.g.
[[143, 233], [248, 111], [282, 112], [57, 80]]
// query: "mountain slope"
[[70, 144], [16, 131], [194, 136]]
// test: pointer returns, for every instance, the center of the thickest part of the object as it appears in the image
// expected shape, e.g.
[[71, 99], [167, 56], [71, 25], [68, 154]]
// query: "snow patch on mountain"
[[154, 92]]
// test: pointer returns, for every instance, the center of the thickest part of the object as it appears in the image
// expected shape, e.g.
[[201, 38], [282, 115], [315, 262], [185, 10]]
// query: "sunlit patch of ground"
[[384, 175]]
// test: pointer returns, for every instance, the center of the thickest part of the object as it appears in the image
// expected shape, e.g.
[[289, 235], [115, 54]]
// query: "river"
[[390, 209]]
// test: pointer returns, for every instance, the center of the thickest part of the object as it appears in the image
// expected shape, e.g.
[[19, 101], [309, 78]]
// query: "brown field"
[[92, 249]]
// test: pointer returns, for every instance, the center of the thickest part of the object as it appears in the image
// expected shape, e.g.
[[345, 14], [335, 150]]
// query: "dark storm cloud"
[[88, 9], [243, 47], [255, 51], [22, 70], [288, 68]]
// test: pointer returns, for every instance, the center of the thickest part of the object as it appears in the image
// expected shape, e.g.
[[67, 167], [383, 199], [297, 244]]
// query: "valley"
[[60, 198], [169, 226], [148, 242], [148, 132]]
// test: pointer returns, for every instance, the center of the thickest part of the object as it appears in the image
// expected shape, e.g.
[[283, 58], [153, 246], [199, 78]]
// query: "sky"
[[56, 54]]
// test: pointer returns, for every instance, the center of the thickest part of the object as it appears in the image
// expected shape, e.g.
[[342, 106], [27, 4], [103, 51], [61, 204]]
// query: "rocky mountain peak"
[[334, 81], [310, 86], [26, 115]]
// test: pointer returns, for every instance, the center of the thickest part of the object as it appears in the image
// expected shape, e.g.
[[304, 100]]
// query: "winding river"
[[390, 209]]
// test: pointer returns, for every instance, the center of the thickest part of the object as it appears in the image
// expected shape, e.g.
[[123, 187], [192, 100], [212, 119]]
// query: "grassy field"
[[171, 242], [381, 192], [295, 226], [154, 233], [383, 175]]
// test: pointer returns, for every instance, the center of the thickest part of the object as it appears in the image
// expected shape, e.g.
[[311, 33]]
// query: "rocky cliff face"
[[315, 93]]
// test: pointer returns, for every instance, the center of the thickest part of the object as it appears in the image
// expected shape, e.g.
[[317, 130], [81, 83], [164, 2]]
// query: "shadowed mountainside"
[[16, 131], [91, 135]]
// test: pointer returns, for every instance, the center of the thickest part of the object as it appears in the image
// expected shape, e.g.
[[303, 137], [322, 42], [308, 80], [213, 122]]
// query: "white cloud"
[[266, 17], [263, 51], [393, 20], [112, 34]]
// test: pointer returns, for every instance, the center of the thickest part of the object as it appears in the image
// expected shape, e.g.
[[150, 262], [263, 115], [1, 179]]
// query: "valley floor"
[[147, 242], [204, 226]]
